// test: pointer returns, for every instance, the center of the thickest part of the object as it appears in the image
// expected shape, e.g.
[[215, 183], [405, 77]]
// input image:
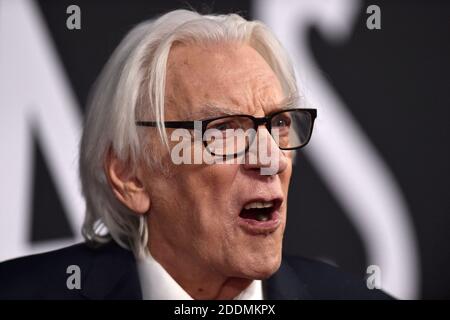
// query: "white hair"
[[132, 86]]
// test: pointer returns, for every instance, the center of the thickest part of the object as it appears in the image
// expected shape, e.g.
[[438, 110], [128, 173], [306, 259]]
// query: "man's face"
[[197, 213]]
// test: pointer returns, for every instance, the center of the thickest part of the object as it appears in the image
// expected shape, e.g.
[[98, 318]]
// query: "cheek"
[[215, 185], [214, 231], [205, 191]]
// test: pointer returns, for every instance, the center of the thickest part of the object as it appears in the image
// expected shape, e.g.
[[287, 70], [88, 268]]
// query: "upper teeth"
[[259, 204]]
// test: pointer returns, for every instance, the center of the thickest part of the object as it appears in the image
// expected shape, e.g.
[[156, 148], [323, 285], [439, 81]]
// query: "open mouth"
[[261, 216], [258, 210]]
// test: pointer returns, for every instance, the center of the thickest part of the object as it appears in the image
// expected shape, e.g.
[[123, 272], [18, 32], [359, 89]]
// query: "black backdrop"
[[394, 80]]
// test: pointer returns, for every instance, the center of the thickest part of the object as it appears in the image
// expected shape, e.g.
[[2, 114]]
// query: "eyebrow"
[[212, 110]]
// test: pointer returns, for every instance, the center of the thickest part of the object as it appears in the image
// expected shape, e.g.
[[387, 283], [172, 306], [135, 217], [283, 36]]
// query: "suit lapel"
[[285, 285]]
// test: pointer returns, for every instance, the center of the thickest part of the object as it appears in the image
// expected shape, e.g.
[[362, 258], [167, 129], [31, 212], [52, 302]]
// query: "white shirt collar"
[[157, 284]]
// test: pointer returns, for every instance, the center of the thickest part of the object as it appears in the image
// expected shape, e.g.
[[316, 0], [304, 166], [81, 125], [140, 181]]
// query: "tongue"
[[262, 214]]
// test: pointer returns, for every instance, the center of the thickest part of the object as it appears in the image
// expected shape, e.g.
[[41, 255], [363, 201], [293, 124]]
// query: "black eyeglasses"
[[232, 135]]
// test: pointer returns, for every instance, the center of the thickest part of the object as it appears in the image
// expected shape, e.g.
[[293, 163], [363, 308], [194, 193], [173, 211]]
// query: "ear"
[[127, 188]]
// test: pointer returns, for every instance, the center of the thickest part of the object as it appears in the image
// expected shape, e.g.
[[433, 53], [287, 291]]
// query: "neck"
[[199, 281]]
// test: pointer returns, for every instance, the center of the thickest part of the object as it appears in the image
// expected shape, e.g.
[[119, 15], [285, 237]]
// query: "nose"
[[265, 155]]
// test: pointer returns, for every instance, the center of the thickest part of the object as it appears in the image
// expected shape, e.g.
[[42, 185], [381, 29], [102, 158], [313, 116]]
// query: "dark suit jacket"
[[110, 272]]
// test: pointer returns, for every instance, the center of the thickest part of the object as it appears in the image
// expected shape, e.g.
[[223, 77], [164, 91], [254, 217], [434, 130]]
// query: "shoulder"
[[324, 281], [45, 275]]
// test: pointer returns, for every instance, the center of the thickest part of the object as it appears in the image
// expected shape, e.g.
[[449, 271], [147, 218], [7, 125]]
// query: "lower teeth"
[[262, 217]]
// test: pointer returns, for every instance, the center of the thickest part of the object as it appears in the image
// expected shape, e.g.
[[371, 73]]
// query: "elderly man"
[[185, 163]]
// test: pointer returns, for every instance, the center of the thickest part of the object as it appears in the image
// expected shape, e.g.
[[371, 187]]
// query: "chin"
[[263, 267]]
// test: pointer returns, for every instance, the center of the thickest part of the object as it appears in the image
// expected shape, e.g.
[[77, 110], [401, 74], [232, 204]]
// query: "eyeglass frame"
[[257, 122]]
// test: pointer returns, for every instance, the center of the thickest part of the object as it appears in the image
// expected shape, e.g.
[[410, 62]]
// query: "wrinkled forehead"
[[217, 79]]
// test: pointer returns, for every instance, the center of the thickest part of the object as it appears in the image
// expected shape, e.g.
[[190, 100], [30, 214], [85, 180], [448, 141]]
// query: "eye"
[[282, 121], [225, 124]]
